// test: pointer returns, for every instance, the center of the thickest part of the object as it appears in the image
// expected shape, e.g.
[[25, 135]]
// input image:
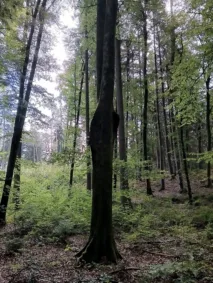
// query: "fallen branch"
[[124, 269], [160, 254], [151, 242]]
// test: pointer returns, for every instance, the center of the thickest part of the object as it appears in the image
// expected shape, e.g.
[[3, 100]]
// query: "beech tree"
[[89, 180], [122, 140], [146, 92], [103, 127], [77, 116]]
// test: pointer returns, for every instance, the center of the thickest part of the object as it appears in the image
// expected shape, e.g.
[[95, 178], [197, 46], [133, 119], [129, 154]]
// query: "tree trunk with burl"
[[101, 243]]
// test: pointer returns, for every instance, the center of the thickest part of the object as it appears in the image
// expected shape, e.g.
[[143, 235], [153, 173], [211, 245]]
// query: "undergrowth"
[[50, 208], [178, 272], [50, 211]]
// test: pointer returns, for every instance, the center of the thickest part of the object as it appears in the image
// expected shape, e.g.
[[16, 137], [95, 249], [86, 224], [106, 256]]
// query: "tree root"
[[94, 252]]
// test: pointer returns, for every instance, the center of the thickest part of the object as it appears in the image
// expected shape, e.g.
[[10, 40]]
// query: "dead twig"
[[160, 254], [123, 270]]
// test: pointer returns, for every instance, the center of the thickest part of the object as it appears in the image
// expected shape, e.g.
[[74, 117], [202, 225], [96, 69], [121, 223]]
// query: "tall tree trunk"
[[122, 145], [19, 120], [199, 138], [146, 94], [17, 167], [178, 158], [161, 145], [104, 125], [185, 165], [141, 154], [2, 162], [89, 180], [156, 150], [115, 158], [172, 126], [169, 77], [127, 91], [208, 128], [187, 142], [76, 126], [101, 7], [166, 125], [17, 178], [28, 47], [168, 148]]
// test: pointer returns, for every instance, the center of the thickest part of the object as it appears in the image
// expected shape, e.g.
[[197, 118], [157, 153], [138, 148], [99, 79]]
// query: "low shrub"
[[50, 212], [201, 217]]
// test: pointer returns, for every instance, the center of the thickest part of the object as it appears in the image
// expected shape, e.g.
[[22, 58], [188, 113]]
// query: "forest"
[[106, 141]]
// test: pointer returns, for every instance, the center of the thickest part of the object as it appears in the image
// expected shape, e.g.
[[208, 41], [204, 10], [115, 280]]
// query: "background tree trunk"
[[208, 128], [146, 95], [17, 178], [178, 158], [89, 180], [76, 126], [20, 117], [185, 165], [115, 158], [122, 145], [161, 144]]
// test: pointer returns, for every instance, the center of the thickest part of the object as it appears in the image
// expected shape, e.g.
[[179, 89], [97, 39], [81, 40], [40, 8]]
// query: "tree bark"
[[27, 51], [127, 91], [208, 128], [178, 158], [168, 147], [146, 95], [124, 185], [161, 145], [89, 180], [76, 126], [141, 154], [101, 243], [115, 158], [199, 138], [17, 178], [185, 165], [169, 78], [101, 7]]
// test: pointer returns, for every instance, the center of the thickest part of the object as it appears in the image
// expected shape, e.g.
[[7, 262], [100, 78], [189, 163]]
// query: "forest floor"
[[183, 256]]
